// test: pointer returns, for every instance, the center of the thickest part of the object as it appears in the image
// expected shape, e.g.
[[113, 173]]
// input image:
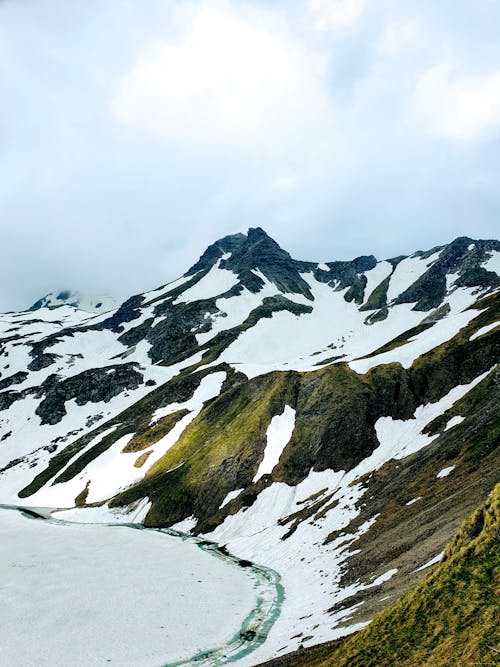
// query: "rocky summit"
[[332, 422]]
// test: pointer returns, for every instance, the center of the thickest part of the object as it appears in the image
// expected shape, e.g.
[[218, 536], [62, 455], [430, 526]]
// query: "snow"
[[485, 329], [335, 328], [425, 341], [375, 276], [399, 438], [216, 281], [384, 577], [278, 434], [134, 513], [454, 421], [235, 310], [445, 472], [91, 304], [413, 500], [493, 262], [323, 267], [66, 602], [185, 526], [471, 246], [407, 272], [310, 571], [432, 561], [230, 496]]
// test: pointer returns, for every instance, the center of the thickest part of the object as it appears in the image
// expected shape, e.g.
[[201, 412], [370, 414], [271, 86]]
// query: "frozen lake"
[[89, 594]]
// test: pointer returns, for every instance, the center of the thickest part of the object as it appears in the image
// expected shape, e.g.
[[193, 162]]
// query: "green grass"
[[230, 430], [378, 298], [150, 435]]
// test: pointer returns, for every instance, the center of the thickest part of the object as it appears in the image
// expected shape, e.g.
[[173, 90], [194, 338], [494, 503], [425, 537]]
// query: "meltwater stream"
[[122, 594]]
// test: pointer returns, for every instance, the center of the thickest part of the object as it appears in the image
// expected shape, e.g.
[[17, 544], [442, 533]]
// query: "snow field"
[[87, 594]]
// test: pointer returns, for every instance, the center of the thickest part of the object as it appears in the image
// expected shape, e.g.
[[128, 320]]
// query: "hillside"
[[451, 618]]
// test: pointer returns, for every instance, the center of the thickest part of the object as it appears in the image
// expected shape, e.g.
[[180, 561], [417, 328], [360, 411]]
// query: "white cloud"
[[336, 14], [400, 35], [456, 108], [224, 74], [285, 182]]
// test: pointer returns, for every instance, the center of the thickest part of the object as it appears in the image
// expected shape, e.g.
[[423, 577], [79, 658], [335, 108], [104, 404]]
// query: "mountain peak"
[[94, 304]]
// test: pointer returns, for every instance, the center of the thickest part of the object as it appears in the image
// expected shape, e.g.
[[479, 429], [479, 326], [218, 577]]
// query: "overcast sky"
[[133, 133]]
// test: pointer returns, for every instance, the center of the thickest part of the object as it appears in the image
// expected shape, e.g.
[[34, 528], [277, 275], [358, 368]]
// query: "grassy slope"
[[451, 618]]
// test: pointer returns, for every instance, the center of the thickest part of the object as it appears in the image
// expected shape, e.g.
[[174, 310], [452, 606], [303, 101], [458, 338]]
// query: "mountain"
[[335, 422], [96, 304]]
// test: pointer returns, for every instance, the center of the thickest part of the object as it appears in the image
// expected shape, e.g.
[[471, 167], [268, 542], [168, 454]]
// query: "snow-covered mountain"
[[91, 304], [334, 422]]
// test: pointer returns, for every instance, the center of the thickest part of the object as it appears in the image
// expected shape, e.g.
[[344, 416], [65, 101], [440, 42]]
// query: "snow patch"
[[445, 472], [134, 513], [493, 262], [454, 421], [485, 329], [216, 281], [384, 577], [278, 434], [185, 526], [432, 561], [230, 496]]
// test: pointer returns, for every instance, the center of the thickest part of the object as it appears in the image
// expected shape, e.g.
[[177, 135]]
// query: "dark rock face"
[[345, 274], [17, 378], [260, 251], [215, 251], [7, 398], [430, 289], [38, 304], [128, 311], [42, 361], [95, 385], [175, 335]]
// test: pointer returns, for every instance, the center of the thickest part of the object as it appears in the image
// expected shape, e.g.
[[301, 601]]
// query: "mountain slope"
[[451, 618], [334, 422]]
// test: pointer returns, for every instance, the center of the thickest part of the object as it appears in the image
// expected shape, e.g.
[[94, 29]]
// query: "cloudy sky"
[[132, 134]]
